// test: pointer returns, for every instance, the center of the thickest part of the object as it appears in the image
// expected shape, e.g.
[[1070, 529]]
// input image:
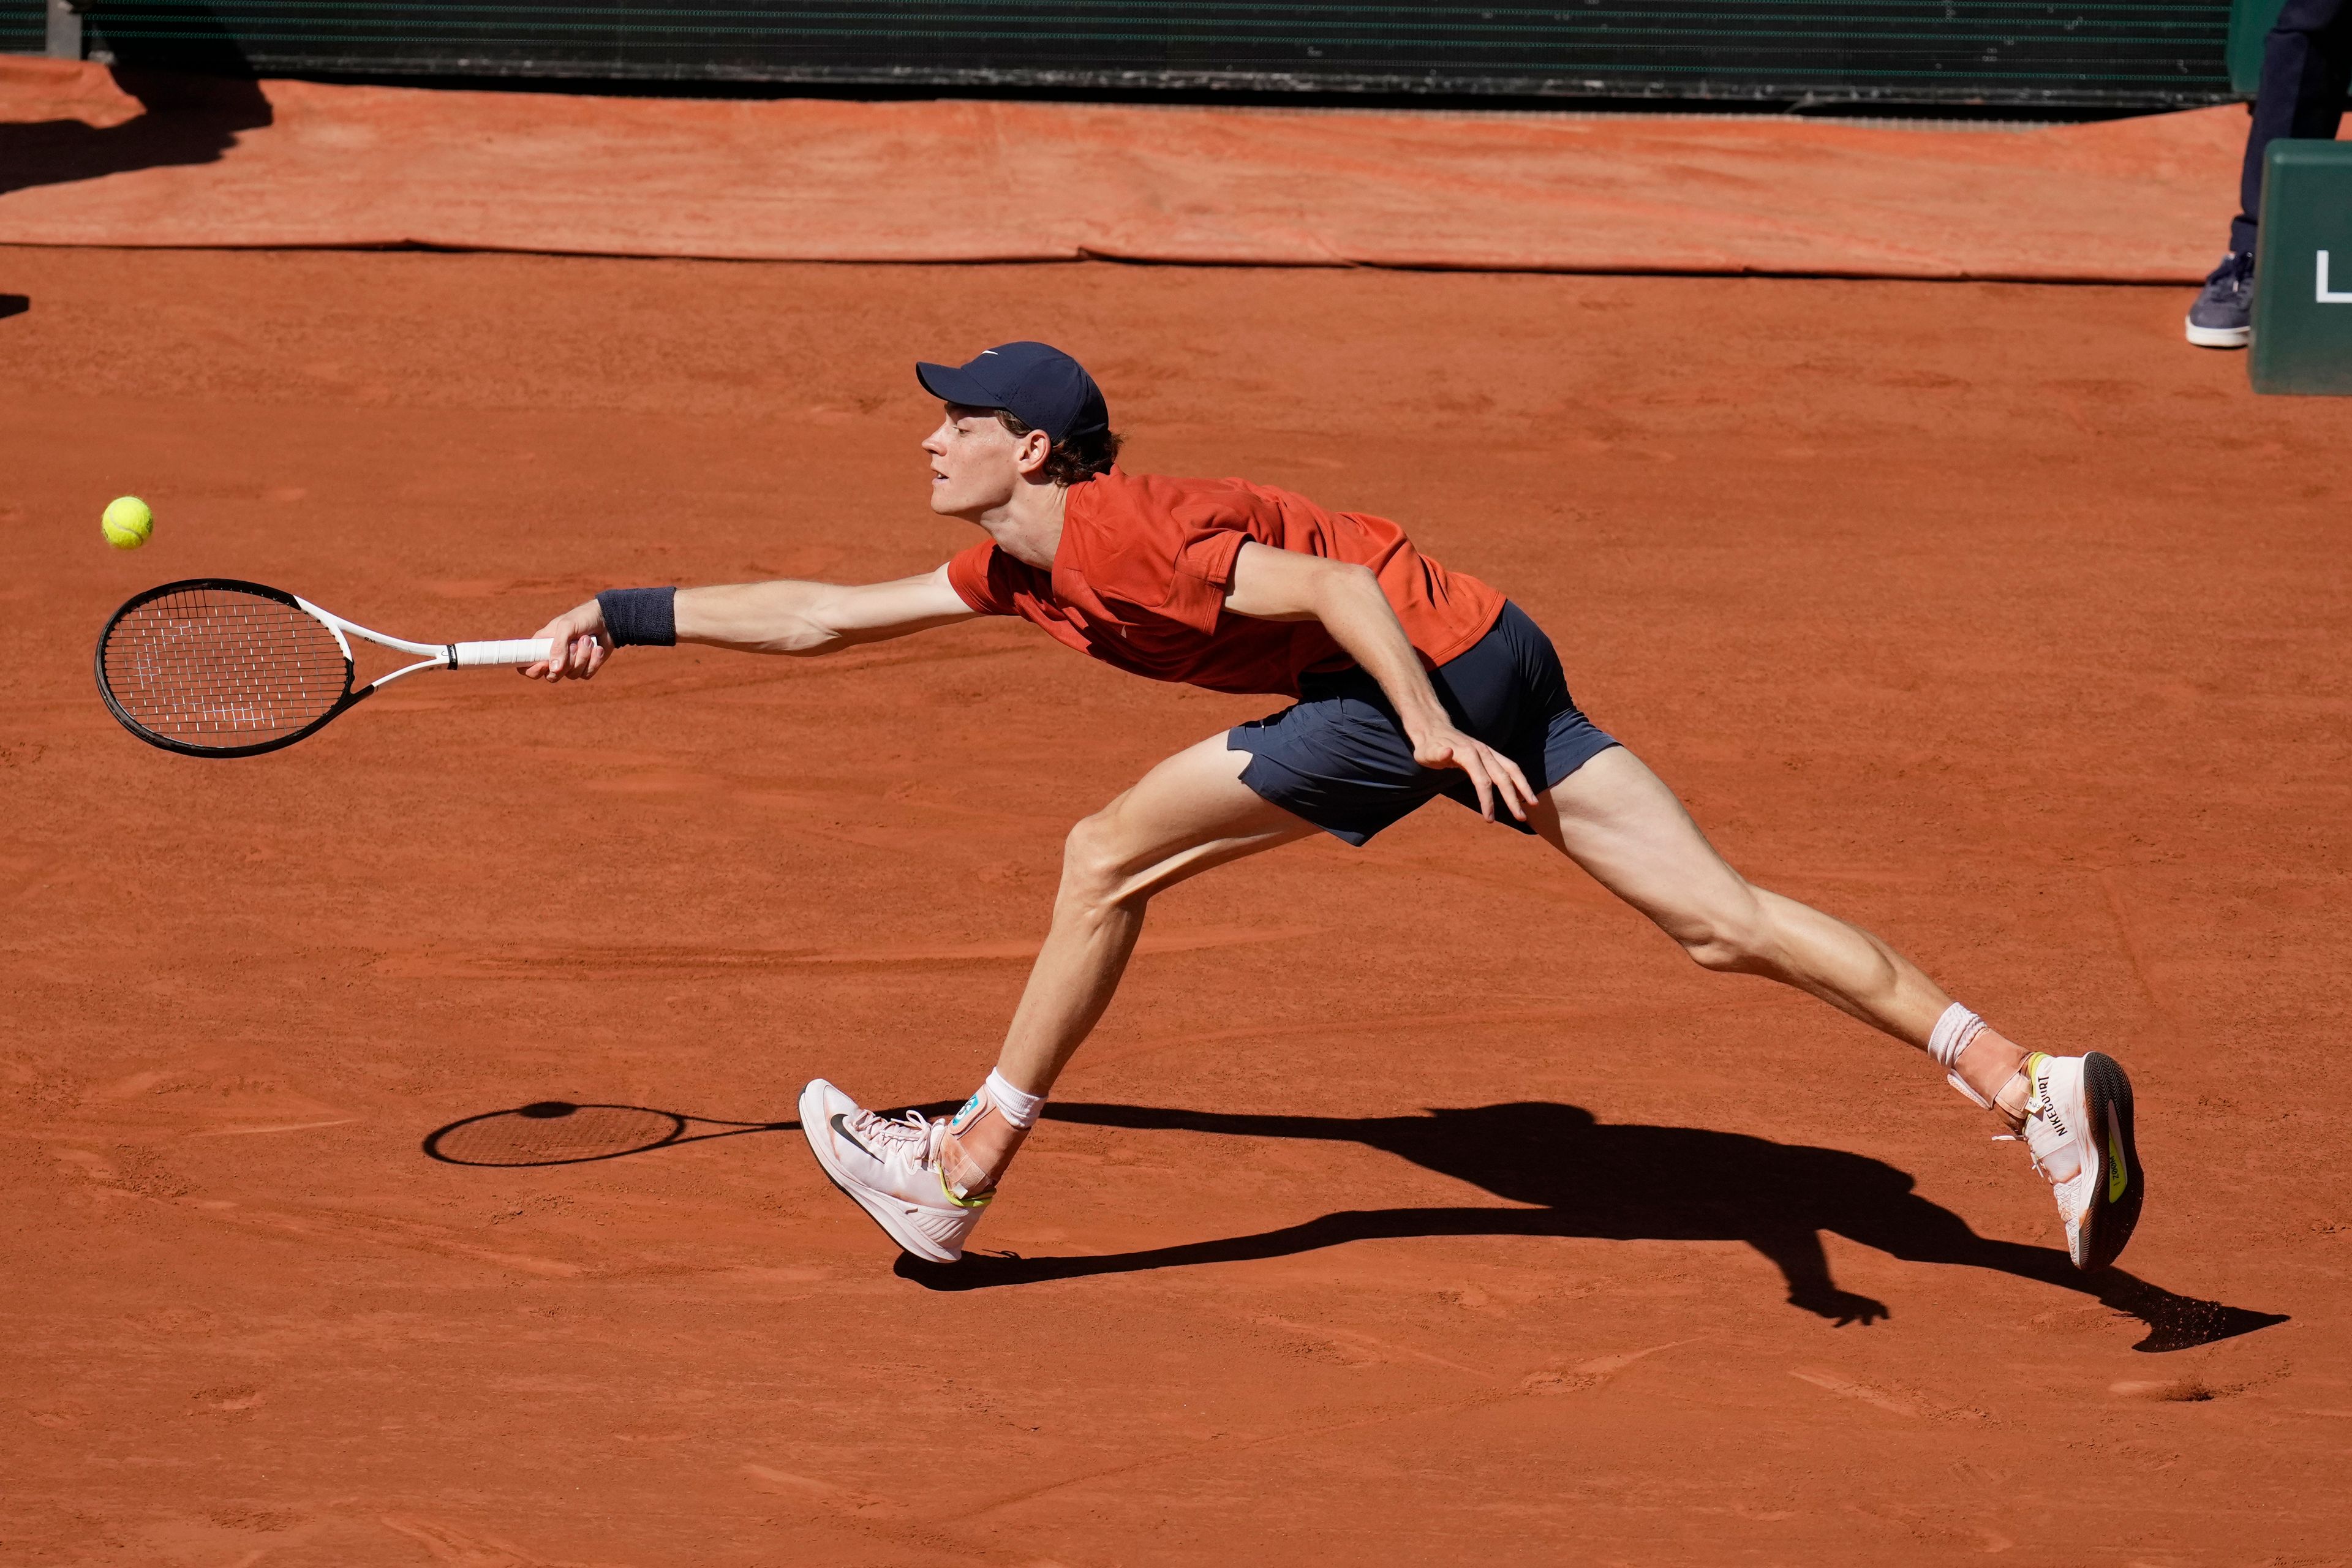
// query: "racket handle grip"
[[479, 654]]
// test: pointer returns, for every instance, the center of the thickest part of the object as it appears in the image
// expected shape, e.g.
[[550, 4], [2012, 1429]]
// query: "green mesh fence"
[[2142, 53], [24, 27]]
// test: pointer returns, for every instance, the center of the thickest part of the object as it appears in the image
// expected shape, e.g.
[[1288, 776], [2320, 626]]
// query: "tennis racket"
[[212, 667]]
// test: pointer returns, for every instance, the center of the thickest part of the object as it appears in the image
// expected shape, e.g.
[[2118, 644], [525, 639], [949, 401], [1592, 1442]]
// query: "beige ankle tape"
[[962, 1197], [965, 1176], [2016, 1116], [962, 1176]]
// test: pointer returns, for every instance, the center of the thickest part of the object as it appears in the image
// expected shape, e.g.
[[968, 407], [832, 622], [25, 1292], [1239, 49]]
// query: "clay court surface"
[[1417, 1204]]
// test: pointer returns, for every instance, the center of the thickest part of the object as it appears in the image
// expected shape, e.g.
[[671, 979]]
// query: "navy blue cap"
[[1037, 384]]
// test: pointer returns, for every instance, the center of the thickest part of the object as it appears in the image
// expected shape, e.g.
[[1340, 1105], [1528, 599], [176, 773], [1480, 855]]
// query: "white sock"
[[1952, 1036], [1947, 1039], [1018, 1109]]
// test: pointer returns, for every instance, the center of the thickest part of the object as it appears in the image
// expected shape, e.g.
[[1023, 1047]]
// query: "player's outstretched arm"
[[783, 617], [1272, 584], [817, 617]]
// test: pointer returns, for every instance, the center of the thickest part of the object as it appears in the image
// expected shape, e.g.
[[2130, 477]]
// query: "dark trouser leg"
[[2306, 63]]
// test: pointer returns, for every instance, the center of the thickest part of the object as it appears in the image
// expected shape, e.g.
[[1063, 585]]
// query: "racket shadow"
[[569, 1132], [563, 1132]]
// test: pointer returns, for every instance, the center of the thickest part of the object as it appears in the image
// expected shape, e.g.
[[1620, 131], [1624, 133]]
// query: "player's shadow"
[[13, 304], [1588, 1178], [195, 87]]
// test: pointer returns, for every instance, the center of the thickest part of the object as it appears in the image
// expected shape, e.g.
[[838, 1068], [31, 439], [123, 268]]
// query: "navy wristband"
[[640, 618]]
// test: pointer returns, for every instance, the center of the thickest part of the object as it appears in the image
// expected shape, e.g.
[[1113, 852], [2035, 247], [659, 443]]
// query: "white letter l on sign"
[[2326, 295]]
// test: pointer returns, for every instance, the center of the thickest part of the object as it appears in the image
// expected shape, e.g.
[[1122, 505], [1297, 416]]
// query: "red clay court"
[[397, 1154]]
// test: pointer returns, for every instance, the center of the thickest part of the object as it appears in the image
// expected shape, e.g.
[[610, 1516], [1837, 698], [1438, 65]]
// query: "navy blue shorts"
[[1339, 758]]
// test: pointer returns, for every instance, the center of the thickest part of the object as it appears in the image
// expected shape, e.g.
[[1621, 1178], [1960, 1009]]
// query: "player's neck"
[[1029, 526]]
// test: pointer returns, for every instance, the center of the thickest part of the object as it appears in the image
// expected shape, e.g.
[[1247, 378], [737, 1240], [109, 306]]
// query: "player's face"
[[975, 462]]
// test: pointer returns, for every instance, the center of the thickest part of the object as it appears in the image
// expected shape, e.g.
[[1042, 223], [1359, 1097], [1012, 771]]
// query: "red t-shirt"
[[1140, 582]]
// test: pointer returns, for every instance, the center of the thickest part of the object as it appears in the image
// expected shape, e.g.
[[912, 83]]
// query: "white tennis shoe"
[[891, 1166], [2078, 1129]]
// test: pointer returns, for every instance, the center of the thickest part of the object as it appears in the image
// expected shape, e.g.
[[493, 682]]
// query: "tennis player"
[[1408, 681]]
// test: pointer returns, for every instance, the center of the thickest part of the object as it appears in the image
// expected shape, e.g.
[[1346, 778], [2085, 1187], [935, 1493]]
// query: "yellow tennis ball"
[[127, 522]]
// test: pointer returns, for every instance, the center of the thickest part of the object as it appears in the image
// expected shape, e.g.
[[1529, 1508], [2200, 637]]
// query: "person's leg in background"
[[2307, 65]]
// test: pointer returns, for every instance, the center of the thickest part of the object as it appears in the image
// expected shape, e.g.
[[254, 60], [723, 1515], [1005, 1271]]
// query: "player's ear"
[[1031, 450]]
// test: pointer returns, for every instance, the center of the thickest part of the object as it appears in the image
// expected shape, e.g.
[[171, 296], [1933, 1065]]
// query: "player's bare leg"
[[926, 1183], [1188, 813], [1618, 820]]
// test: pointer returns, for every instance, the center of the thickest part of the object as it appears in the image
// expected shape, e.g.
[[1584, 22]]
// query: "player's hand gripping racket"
[[215, 668]]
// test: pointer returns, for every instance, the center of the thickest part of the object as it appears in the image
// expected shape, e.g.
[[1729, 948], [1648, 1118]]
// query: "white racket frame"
[[511, 653]]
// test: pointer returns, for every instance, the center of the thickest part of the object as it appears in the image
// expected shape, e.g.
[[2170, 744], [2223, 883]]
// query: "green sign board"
[[2302, 271]]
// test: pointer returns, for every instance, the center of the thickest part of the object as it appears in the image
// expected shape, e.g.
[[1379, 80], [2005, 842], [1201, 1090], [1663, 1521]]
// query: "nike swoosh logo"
[[2118, 1177], [851, 1141]]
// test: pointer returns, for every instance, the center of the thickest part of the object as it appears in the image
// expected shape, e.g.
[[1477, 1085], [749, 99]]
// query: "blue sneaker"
[[2223, 316]]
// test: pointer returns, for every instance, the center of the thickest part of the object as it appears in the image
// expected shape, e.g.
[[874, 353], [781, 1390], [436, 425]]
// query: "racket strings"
[[219, 665]]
